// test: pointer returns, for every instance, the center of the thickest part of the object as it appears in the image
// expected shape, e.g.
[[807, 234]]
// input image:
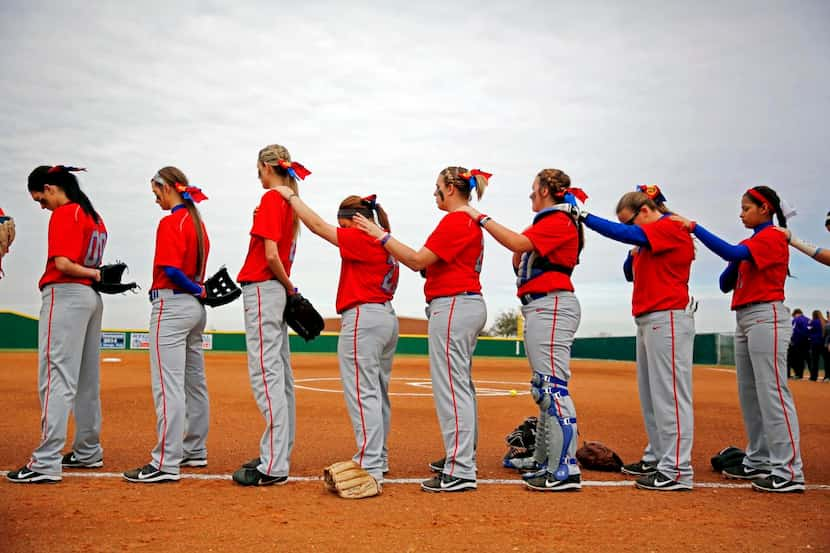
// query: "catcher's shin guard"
[[546, 390]]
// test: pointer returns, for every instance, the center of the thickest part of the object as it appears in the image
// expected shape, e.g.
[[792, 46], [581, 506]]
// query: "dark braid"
[[63, 178]]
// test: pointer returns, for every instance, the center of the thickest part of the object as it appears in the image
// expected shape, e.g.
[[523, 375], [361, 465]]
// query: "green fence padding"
[[20, 332]]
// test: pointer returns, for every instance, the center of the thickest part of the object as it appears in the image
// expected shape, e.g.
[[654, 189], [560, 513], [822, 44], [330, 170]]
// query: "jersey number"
[[390, 280], [95, 250], [480, 259]]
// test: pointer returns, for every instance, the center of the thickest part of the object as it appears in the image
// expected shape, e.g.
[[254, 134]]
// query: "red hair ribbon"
[[653, 192], [191, 193], [578, 193], [370, 201], [296, 170], [760, 197], [474, 172], [59, 168]]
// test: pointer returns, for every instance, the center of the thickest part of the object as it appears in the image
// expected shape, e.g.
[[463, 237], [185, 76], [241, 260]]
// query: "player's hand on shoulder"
[[785, 231], [469, 210], [284, 191], [687, 224]]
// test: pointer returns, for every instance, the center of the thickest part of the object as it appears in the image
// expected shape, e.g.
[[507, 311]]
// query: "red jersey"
[[75, 235], [368, 273], [177, 246], [459, 245], [274, 220], [555, 237], [661, 269], [762, 277]]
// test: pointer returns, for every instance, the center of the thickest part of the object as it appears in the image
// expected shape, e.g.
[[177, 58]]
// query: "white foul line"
[[487, 481]]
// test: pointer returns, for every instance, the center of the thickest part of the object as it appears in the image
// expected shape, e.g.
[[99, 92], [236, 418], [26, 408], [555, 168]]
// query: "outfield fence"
[[18, 331]]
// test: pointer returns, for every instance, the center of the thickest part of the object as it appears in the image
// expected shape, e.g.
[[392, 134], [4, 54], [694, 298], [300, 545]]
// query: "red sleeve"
[[550, 233], [450, 236], [664, 235], [169, 244], [355, 244], [767, 248], [66, 235], [269, 215]]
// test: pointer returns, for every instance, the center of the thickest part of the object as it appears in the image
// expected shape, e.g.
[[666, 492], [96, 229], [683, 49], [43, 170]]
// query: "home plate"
[[111, 360]]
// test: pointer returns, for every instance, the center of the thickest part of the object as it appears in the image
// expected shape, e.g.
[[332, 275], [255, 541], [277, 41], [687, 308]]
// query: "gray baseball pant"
[[365, 348], [664, 378], [177, 374], [551, 323], [761, 337], [269, 369], [69, 340], [454, 325]]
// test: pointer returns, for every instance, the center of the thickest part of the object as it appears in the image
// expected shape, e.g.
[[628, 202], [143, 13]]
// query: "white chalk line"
[[486, 481]]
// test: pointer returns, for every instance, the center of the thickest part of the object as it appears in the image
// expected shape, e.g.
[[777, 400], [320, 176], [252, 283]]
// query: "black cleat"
[[148, 474], [657, 481], [548, 483], [640, 468], [69, 461], [445, 483], [246, 476], [776, 484], [24, 475]]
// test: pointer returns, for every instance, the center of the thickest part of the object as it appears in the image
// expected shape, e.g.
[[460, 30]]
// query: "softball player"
[[177, 320], [369, 326], [69, 329], [452, 258], [266, 284], [664, 313], [545, 255], [755, 275]]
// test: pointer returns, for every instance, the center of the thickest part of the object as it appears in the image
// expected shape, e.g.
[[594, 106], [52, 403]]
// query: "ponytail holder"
[[190, 193], [653, 192], [470, 177], [296, 170], [760, 197], [571, 195], [68, 168], [370, 201]]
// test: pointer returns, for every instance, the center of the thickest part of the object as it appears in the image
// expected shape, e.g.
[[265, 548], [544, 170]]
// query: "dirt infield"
[[99, 512]]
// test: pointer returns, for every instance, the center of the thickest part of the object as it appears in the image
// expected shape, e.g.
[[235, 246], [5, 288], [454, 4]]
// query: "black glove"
[[220, 289], [727, 457], [302, 317], [111, 279]]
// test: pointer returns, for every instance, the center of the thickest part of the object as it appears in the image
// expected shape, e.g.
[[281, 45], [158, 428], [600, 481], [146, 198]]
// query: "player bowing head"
[[177, 321], [659, 266], [755, 274], [544, 256], [69, 327], [369, 326], [452, 259]]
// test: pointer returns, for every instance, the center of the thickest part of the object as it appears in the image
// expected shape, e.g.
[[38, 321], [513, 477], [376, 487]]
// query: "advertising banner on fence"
[[141, 340], [113, 340]]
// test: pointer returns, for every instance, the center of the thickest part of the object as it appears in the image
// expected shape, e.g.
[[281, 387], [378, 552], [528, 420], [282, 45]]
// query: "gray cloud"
[[704, 99]]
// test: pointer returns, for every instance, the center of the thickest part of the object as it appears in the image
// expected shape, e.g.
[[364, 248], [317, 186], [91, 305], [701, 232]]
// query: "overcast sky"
[[705, 99]]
